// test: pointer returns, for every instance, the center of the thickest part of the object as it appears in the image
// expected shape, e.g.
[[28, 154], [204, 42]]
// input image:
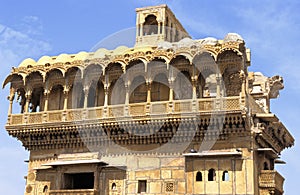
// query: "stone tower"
[[171, 115]]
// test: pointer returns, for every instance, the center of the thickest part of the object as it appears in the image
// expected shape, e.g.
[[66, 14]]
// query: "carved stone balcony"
[[138, 110], [73, 192], [271, 180]]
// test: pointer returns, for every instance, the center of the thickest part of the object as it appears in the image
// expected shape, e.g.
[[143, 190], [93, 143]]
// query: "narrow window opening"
[[142, 186], [199, 176], [45, 190], [211, 175], [266, 166], [114, 186], [225, 176]]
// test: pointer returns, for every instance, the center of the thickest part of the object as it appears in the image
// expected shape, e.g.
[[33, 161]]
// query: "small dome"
[[233, 37], [81, 56], [28, 61], [120, 50], [44, 60], [100, 53], [63, 58]]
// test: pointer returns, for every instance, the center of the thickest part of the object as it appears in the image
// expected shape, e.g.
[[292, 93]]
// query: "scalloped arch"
[[187, 55], [9, 78], [228, 49]]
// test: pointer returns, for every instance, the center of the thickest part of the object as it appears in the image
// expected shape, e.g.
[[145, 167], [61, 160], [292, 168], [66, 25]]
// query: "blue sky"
[[35, 28]]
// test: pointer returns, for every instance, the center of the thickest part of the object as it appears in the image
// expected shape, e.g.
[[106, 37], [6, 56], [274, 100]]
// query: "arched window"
[[36, 100], [211, 175], [138, 90], [225, 176], [91, 97], [113, 186], [159, 88], [150, 25], [183, 86], [76, 96], [56, 98], [266, 166], [45, 190], [199, 176]]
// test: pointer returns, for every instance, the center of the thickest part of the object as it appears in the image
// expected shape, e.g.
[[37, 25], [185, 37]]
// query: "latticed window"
[[169, 186]]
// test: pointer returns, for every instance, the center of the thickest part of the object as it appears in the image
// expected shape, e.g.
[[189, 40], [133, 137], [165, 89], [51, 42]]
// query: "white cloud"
[[14, 47]]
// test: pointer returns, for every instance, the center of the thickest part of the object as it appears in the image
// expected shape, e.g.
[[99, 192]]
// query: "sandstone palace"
[[170, 115]]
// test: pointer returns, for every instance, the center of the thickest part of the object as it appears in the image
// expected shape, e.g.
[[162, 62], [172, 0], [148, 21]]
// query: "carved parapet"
[[73, 192], [271, 180]]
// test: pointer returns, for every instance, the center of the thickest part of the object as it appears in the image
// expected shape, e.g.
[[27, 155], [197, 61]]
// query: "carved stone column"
[[194, 85], [86, 94], [171, 94], [11, 98], [141, 29], [148, 91], [148, 106], [46, 94], [171, 88], [194, 96], [66, 92], [106, 90], [28, 98], [158, 27], [218, 78], [126, 107]]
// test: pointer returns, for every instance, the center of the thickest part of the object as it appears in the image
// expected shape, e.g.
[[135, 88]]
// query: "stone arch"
[[183, 86], [96, 94], [150, 25], [211, 175], [54, 77], [206, 70], [162, 56], [72, 75], [138, 90], [160, 88], [199, 176], [76, 96], [15, 79], [113, 72], [92, 73], [229, 59], [185, 54], [56, 98], [155, 67], [230, 64], [135, 68], [35, 84], [117, 92], [181, 63]]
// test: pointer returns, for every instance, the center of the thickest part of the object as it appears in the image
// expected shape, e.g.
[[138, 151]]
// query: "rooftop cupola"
[[157, 24]]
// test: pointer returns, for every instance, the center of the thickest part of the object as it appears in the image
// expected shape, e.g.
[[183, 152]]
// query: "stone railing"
[[271, 179], [131, 110], [73, 192]]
